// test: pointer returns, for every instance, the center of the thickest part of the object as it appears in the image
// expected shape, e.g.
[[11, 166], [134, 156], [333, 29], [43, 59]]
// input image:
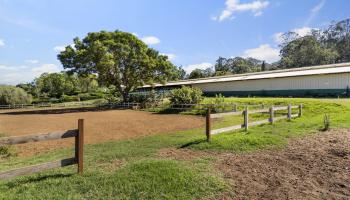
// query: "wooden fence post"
[[208, 124], [271, 115], [235, 107], [246, 118], [79, 146], [300, 110], [289, 116]]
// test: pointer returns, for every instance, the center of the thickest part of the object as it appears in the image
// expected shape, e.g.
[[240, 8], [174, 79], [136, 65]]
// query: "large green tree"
[[119, 59], [56, 84], [306, 51], [337, 37]]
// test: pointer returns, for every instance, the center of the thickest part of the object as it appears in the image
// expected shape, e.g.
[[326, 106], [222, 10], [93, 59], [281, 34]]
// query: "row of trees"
[[322, 46], [228, 66], [60, 85]]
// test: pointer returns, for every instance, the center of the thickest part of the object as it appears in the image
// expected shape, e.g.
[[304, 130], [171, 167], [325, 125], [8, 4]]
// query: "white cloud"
[[150, 40], [263, 52], [59, 48], [2, 43], [190, 68], [22, 73], [304, 31], [278, 37], [32, 61], [171, 56], [233, 6], [45, 68], [314, 12], [13, 68]]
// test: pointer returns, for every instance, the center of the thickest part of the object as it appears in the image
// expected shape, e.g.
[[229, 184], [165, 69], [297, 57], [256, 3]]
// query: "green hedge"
[[14, 95]]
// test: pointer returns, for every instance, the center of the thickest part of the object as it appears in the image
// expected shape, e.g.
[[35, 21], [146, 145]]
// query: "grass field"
[[133, 169]]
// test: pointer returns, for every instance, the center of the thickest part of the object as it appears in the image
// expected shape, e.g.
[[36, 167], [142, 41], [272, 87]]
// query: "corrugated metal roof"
[[303, 71]]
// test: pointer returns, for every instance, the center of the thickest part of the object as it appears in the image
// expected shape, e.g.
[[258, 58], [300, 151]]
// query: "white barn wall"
[[327, 81], [317, 81]]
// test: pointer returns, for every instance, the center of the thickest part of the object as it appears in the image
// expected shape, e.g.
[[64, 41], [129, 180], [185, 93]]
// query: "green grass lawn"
[[142, 174]]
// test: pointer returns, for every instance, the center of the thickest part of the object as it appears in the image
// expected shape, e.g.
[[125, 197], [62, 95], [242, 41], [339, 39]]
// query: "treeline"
[[322, 46], [64, 87]]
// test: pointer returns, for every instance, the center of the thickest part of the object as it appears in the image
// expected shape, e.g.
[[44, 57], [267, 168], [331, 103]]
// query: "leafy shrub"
[[186, 95], [149, 98], [85, 96], [14, 95], [219, 103], [66, 98], [97, 95], [111, 98], [100, 101], [5, 151], [54, 100]]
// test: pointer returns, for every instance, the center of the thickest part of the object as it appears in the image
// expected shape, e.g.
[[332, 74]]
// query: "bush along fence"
[[78, 134], [245, 113]]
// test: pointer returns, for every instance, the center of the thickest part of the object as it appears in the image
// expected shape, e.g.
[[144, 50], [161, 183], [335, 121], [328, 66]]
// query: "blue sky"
[[194, 33]]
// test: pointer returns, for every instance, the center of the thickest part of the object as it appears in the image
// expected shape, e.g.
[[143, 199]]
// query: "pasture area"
[[294, 159], [101, 126]]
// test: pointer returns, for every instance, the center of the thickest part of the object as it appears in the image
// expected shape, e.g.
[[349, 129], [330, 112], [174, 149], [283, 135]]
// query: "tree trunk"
[[125, 96]]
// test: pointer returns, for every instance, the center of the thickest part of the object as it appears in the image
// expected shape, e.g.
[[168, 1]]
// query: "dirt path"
[[316, 167], [100, 126]]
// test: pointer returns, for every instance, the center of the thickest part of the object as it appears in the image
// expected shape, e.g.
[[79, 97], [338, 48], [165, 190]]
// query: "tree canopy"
[[201, 73], [306, 51], [237, 65], [119, 59]]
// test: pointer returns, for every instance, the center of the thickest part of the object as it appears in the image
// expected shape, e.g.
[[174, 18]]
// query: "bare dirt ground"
[[314, 167], [100, 126]]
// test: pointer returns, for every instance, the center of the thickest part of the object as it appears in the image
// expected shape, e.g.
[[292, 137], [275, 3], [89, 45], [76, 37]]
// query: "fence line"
[[78, 134], [246, 124]]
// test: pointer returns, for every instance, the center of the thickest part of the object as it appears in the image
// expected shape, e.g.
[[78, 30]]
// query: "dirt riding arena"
[[100, 126]]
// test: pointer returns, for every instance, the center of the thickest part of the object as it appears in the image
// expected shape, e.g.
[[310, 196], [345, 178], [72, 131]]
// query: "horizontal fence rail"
[[78, 134], [245, 114], [37, 168], [38, 137]]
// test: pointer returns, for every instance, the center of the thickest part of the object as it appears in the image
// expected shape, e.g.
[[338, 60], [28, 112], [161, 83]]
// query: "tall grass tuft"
[[326, 122]]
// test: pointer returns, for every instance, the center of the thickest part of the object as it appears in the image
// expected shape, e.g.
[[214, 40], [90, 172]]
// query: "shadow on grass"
[[15, 183], [192, 143]]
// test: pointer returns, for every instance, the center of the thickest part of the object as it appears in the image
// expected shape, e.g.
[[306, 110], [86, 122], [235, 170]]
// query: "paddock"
[[101, 126]]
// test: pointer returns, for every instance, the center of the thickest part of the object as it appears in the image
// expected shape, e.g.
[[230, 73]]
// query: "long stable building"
[[317, 81]]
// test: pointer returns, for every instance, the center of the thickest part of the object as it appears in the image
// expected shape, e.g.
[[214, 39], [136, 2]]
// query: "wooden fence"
[[245, 114], [78, 134], [70, 105]]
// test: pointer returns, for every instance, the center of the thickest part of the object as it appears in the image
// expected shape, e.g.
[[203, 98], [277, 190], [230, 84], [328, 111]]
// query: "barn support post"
[[289, 116], [300, 110], [271, 115], [79, 146], [246, 118], [208, 124]]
